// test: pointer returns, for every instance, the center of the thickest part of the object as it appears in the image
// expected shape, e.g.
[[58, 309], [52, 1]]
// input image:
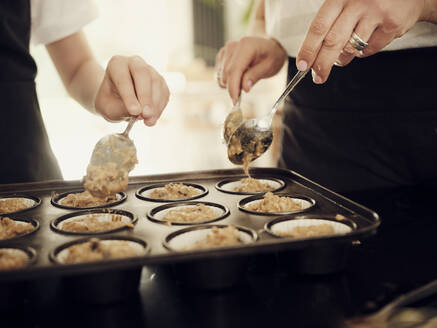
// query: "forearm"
[[257, 25], [85, 83], [80, 72]]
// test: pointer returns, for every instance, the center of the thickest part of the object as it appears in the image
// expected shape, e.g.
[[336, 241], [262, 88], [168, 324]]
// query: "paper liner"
[[138, 248], [287, 225], [229, 185], [180, 241]]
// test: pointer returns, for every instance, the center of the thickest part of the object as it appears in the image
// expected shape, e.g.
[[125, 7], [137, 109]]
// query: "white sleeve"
[[52, 20]]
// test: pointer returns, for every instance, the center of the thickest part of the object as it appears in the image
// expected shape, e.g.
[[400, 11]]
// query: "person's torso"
[[24, 148]]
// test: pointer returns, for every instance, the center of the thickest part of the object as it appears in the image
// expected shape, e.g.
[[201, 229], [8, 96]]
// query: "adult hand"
[[376, 22], [131, 88], [241, 64]]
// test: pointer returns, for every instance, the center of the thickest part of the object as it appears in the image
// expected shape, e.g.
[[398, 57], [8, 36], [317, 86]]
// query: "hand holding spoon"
[[252, 138]]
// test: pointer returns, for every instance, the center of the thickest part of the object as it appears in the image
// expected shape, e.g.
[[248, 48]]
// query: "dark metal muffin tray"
[[45, 240]]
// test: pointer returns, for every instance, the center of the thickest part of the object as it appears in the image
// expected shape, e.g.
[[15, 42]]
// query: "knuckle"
[[114, 60], [229, 45], [245, 40], [391, 24], [318, 27], [348, 49], [306, 53], [332, 40]]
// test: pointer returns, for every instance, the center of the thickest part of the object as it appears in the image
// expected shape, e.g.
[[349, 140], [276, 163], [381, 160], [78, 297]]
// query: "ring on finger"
[[357, 42]]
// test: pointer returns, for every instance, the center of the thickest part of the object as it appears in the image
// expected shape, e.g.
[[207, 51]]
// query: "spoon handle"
[[129, 126], [294, 81]]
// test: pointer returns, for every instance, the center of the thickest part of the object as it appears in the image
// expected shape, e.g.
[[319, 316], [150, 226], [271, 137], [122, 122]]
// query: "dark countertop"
[[401, 257]]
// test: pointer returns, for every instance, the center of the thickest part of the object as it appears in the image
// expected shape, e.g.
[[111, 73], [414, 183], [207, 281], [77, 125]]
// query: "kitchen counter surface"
[[401, 257]]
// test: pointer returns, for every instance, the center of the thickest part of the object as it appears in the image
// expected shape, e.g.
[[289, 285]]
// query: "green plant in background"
[[248, 12]]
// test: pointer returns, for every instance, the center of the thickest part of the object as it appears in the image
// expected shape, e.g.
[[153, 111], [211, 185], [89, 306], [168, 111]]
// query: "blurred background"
[[180, 38]]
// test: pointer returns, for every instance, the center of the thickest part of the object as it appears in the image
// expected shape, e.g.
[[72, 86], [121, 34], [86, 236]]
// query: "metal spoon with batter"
[[113, 157], [252, 138]]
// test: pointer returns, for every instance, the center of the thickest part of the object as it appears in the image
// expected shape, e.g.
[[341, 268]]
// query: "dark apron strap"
[[372, 125], [25, 153]]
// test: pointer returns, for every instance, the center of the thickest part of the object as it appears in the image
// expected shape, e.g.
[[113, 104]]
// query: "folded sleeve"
[[52, 20]]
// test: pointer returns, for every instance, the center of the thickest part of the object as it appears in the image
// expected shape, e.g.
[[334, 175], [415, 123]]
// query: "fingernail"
[[316, 78], [249, 85], [146, 111], [150, 122], [302, 65], [134, 109]]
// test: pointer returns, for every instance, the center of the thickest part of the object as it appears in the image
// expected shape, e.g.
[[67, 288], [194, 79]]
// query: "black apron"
[[373, 124], [25, 153]]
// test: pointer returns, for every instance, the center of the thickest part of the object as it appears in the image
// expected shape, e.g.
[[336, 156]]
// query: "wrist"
[[281, 49]]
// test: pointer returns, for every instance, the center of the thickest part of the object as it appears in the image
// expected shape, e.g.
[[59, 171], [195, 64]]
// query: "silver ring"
[[357, 42]]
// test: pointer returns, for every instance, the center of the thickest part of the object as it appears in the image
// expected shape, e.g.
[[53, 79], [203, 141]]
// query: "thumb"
[[255, 73]]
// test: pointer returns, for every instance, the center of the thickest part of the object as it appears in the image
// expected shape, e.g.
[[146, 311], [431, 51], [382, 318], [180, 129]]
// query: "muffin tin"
[[325, 204]]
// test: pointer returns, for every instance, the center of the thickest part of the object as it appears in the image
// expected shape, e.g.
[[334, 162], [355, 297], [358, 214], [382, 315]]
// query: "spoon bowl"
[[253, 137], [232, 121], [113, 157], [115, 148], [112, 149], [249, 141]]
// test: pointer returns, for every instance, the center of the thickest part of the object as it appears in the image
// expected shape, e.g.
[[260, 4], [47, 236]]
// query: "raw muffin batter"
[[94, 223], [110, 178], [309, 231], [9, 205], [10, 228], [85, 199], [96, 250], [105, 180], [218, 237], [12, 258], [275, 204], [174, 191], [196, 213], [253, 185]]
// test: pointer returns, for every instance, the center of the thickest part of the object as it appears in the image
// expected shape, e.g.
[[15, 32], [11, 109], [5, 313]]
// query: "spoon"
[[113, 157], [252, 138], [232, 121], [116, 148], [381, 318]]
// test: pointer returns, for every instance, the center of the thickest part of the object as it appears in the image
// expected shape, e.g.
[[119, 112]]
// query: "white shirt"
[[288, 21], [52, 20]]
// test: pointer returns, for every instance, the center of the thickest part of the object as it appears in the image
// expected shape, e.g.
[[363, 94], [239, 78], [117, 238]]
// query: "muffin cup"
[[228, 185], [34, 222], [128, 216], [320, 257], [144, 193], [156, 214], [211, 273], [307, 204], [101, 287], [56, 198], [31, 201], [284, 224]]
